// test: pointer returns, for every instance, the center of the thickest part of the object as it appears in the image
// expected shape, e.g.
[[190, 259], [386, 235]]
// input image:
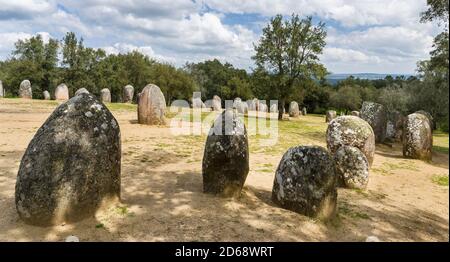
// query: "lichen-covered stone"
[[330, 115], [105, 95], [394, 125], [128, 94], [354, 113], [429, 116], [305, 182], [71, 166], [25, 90], [352, 167], [351, 131], [216, 103], [81, 91], [151, 106], [241, 107], [226, 156], [417, 137], [2, 92], [46, 95], [62, 92], [375, 114], [294, 110]]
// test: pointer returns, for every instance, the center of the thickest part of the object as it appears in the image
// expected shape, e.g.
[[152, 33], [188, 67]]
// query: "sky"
[[363, 36]]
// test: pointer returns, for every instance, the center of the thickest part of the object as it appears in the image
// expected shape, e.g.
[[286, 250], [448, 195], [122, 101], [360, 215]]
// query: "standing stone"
[[375, 114], [355, 113], [81, 91], [197, 100], [151, 106], [71, 166], [105, 95], [46, 95], [241, 107], [226, 157], [351, 131], [253, 105], [429, 116], [304, 111], [128, 93], [274, 108], [305, 182], [262, 107], [216, 103], [331, 114], [62, 92], [351, 167], [25, 90], [2, 93], [417, 137], [394, 125], [294, 110]]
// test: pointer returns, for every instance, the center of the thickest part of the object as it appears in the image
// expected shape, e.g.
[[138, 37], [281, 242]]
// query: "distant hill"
[[334, 78]]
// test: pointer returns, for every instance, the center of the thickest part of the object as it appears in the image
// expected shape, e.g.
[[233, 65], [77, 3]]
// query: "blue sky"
[[382, 36]]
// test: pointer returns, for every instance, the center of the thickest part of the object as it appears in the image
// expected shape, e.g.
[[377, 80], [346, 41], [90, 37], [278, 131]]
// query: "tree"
[[289, 50]]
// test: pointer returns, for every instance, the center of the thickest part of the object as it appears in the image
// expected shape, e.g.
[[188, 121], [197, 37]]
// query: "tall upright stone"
[[105, 95], [25, 90], [241, 107], [394, 125], [216, 103], [226, 156], [330, 115], [71, 166], [305, 182], [46, 95], [304, 111], [351, 131], [294, 110], [151, 106], [417, 137], [2, 92], [253, 105], [375, 114], [62, 92], [128, 93]]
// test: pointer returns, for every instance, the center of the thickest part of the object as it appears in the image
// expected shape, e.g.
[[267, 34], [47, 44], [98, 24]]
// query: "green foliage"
[[289, 51]]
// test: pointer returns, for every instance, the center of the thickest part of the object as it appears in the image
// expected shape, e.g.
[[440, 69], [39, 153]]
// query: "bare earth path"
[[162, 197]]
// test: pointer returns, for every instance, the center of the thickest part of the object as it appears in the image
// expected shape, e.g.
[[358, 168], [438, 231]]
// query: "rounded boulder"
[[305, 182], [351, 131], [352, 167], [71, 166]]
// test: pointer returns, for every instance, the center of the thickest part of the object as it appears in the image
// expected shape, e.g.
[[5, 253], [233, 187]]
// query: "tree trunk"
[[280, 109]]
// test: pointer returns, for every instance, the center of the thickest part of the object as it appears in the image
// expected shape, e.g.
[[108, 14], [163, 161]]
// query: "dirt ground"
[[162, 197]]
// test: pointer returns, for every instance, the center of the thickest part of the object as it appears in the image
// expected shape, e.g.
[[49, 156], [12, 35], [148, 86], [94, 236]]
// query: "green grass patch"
[[121, 106], [441, 180], [440, 142]]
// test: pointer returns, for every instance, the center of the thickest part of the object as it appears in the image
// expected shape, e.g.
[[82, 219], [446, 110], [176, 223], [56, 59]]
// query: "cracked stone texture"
[[305, 182], [226, 156], [375, 114], [331, 114], [25, 89], [62, 92], [417, 137], [351, 167], [151, 106], [351, 131], [71, 166], [128, 94], [294, 110]]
